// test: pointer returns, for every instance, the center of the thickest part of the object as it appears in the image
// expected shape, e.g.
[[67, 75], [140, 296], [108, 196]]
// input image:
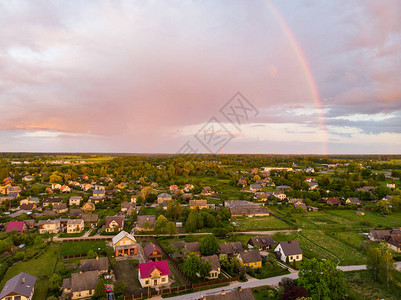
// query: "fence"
[[214, 282], [74, 256], [64, 240]]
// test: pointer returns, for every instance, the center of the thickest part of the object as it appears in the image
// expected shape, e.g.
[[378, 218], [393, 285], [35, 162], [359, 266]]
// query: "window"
[[17, 297], [155, 282], [163, 279], [146, 281], [297, 256]]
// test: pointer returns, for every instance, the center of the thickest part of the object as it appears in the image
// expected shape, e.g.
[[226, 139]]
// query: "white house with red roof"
[[154, 274]]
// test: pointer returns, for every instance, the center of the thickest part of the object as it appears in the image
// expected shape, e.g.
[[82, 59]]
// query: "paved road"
[[256, 282]]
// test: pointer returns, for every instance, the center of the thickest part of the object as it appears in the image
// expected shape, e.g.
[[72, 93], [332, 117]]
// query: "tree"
[[55, 282], [91, 254], [192, 222], [191, 265], [382, 207], [100, 290], [209, 245], [293, 292], [171, 228], [205, 268], [322, 279], [119, 288], [161, 224], [373, 261]]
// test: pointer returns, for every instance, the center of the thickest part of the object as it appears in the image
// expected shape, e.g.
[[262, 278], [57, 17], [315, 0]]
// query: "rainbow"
[[307, 71]]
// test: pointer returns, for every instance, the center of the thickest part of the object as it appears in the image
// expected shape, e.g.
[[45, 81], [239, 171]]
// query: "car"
[[110, 297], [108, 288]]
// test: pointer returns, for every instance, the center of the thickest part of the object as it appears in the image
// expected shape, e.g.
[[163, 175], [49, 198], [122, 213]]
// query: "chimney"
[[97, 257], [240, 289], [289, 242], [23, 280], [223, 292]]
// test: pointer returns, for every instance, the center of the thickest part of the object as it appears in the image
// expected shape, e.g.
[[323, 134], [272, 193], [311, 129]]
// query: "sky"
[[226, 76]]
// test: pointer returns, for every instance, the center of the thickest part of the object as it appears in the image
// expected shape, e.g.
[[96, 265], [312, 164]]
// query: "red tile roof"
[[18, 225], [147, 268]]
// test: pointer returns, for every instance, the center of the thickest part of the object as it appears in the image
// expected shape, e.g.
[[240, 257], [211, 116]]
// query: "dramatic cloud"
[[138, 76]]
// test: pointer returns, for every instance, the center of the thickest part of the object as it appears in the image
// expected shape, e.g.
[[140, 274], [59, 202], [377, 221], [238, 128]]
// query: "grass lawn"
[[74, 248], [150, 211], [266, 272], [66, 235], [41, 267], [371, 219], [360, 286], [126, 273], [346, 254], [259, 223], [41, 287], [264, 292]]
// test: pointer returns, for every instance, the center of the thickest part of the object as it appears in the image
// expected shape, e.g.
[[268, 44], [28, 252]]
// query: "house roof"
[[118, 219], [354, 200], [98, 192], [59, 206], [76, 212], [248, 210], [150, 248], [164, 195], [395, 240], [52, 200], [255, 186], [262, 241], [90, 217], [213, 259], [250, 256], [74, 221], [141, 220], [230, 248], [147, 268], [234, 294], [197, 202], [21, 284], [121, 235], [15, 225], [28, 206], [95, 264], [193, 246], [291, 248], [43, 222], [239, 203], [84, 281], [178, 244]]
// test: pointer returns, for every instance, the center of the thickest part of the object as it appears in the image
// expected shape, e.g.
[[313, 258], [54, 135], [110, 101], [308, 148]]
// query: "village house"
[[30, 224], [124, 244], [333, 201], [152, 252], [75, 212], [75, 200], [242, 182], [192, 247], [51, 201], [207, 191], [49, 226], [101, 265], [188, 187], [283, 188], [260, 196], [214, 261], [255, 187], [88, 207], [250, 259], [75, 225], [391, 185], [81, 285], [163, 197], [154, 274], [56, 186], [289, 250], [230, 249], [355, 201], [65, 189], [299, 205], [99, 193], [86, 186], [28, 207], [394, 243], [60, 208], [90, 220], [128, 207], [114, 223], [30, 200], [173, 187], [13, 189], [145, 222], [16, 225], [200, 204], [313, 186], [383, 235], [280, 195], [19, 287], [262, 242]]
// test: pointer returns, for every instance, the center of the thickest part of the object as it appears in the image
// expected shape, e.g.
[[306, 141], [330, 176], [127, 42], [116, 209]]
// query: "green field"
[[41, 288], [75, 248], [41, 267], [259, 223]]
